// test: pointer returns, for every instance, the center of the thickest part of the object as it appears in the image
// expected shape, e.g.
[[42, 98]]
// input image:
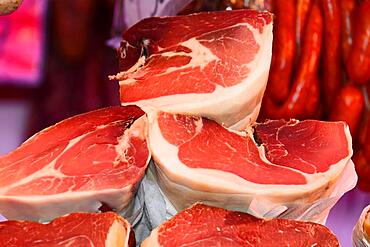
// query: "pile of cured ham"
[[191, 89]]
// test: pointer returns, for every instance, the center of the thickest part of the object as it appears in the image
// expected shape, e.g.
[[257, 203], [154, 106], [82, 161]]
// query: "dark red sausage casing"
[[348, 107], [283, 50], [358, 63], [347, 15], [299, 97], [331, 61]]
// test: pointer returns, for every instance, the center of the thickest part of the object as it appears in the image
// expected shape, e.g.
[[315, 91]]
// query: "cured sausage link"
[[331, 77], [283, 50], [299, 96], [348, 107], [303, 7], [347, 12], [358, 63]]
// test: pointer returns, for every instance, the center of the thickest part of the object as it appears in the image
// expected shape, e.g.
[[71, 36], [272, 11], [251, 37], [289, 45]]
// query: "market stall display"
[[191, 87], [88, 163], [76, 229]]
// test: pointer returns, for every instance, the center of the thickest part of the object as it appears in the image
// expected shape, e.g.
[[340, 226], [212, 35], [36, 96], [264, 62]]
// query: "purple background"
[[345, 214]]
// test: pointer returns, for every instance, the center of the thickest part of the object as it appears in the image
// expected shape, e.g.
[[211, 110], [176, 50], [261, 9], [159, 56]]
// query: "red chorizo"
[[362, 165], [283, 50], [331, 64], [358, 63], [303, 7], [299, 96], [311, 110], [348, 107], [347, 12]]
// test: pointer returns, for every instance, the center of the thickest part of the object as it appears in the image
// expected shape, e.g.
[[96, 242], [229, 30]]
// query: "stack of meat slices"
[[90, 162], [200, 78], [213, 64], [203, 225], [279, 161]]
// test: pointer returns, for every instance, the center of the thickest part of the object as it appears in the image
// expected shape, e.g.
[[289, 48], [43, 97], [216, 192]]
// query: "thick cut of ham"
[[203, 225], [77, 229], [85, 163], [279, 161], [207, 64]]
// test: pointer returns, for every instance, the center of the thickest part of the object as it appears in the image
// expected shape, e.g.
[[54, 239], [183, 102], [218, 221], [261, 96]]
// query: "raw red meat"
[[203, 225], [211, 64], [77, 229], [302, 145], [278, 160], [80, 164]]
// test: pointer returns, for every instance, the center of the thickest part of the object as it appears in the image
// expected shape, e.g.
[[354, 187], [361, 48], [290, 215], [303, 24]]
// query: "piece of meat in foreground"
[[279, 161], [76, 229], [212, 64], [202, 225], [85, 163]]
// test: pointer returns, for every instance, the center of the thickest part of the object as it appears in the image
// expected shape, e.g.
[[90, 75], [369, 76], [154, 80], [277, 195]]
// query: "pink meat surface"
[[80, 153], [77, 229], [203, 225], [307, 146], [310, 146], [189, 54]]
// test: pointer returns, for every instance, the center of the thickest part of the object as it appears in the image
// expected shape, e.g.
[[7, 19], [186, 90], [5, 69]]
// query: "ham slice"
[[212, 64], [77, 229], [279, 161], [203, 225], [87, 163]]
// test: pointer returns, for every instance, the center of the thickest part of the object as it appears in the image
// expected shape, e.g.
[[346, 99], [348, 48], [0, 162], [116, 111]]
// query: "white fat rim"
[[166, 157], [226, 100]]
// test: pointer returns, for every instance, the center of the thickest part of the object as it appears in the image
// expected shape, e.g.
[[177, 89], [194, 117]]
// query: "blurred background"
[[55, 58], [54, 63]]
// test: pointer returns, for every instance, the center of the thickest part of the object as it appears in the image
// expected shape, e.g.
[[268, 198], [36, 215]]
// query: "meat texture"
[[278, 161], [85, 163], [77, 229], [203, 225], [211, 64]]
